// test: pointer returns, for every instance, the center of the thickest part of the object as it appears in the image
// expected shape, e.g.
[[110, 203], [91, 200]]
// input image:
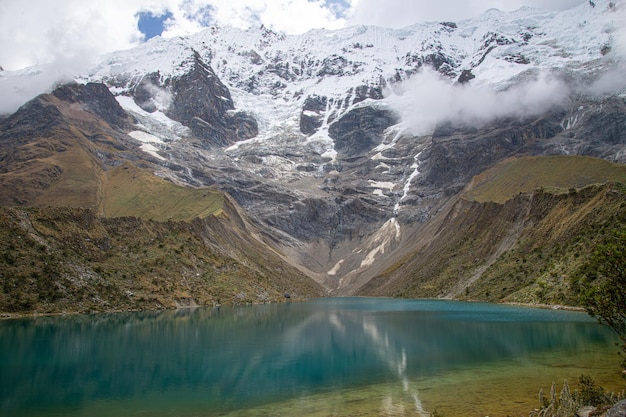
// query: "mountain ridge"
[[339, 145]]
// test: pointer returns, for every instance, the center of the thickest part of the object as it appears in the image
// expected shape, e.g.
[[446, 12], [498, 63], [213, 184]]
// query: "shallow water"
[[329, 357]]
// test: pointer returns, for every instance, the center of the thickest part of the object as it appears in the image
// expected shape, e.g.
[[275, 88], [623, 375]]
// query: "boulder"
[[618, 410]]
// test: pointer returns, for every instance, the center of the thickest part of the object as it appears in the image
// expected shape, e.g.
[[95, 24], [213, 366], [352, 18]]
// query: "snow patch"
[[310, 113], [158, 123], [407, 184], [379, 192], [382, 184], [148, 143]]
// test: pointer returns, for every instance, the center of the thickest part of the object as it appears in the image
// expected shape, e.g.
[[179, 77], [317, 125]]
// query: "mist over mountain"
[[345, 146]]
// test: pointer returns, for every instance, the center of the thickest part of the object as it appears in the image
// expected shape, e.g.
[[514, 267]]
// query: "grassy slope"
[[102, 232], [130, 191], [70, 259], [558, 173], [525, 249]]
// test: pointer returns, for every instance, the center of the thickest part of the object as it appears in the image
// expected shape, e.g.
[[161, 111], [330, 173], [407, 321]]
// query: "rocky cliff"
[[340, 144], [87, 226]]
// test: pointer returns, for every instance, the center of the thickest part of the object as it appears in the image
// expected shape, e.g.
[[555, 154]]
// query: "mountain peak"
[[331, 139]]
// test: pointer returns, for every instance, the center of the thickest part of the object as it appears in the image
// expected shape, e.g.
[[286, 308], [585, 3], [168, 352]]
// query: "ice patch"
[[382, 184], [148, 142]]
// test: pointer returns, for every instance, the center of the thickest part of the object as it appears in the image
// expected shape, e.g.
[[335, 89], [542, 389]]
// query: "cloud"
[[67, 36], [402, 13], [15, 91], [290, 16], [36, 32], [427, 99]]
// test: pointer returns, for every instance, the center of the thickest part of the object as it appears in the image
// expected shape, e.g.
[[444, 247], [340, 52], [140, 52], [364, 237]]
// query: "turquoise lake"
[[327, 357]]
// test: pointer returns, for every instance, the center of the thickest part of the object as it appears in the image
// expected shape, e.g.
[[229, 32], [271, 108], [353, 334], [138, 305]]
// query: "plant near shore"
[[567, 403], [602, 287]]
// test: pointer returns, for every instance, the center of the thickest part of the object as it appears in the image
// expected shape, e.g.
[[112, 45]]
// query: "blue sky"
[[151, 24], [35, 32], [70, 36]]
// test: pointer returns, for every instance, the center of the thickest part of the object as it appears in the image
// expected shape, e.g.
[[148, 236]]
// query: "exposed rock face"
[[603, 127], [587, 128], [97, 98], [311, 118], [145, 94], [199, 100], [361, 129], [34, 116], [202, 102]]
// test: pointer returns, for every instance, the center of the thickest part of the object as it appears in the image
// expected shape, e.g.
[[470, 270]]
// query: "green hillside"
[[130, 191], [86, 224], [556, 173], [498, 242], [59, 260]]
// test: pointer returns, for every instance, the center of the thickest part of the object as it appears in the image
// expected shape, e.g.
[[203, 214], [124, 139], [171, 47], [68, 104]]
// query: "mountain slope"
[[344, 147], [92, 227], [523, 175], [59, 260], [329, 133], [520, 245]]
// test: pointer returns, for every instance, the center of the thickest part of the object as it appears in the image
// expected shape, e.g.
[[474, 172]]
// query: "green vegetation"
[[602, 285], [57, 260], [568, 403], [527, 249], [557, 174], [560, 234], [130, 191]]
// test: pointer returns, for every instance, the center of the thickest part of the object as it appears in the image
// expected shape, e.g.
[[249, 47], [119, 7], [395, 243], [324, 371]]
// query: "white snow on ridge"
[[270, 74], [149, 142], [157, 123]]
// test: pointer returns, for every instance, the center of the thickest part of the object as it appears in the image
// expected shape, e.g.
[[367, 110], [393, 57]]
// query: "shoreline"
[[10, 316], [546, 306]]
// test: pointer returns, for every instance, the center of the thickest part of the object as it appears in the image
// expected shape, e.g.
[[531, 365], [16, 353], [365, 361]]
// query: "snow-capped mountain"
[[338, 141]]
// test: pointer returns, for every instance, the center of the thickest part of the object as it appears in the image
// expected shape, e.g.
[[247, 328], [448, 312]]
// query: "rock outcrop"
[[203, 103], [360, 130]]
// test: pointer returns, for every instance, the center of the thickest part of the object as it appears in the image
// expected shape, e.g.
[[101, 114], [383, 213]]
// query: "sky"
[[72, 33]]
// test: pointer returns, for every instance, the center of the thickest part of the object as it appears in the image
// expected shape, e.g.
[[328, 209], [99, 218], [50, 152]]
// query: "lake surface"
[[328, 357]]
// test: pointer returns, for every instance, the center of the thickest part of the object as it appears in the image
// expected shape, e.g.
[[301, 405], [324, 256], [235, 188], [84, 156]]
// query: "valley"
[[479, 160]]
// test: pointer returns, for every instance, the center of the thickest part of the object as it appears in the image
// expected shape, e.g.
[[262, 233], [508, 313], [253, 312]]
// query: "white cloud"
[[427, 99], [34, 32], [68, 35], [40, 31], [402, 13]]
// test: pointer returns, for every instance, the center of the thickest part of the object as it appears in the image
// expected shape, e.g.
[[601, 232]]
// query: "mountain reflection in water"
[[228, 360]]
